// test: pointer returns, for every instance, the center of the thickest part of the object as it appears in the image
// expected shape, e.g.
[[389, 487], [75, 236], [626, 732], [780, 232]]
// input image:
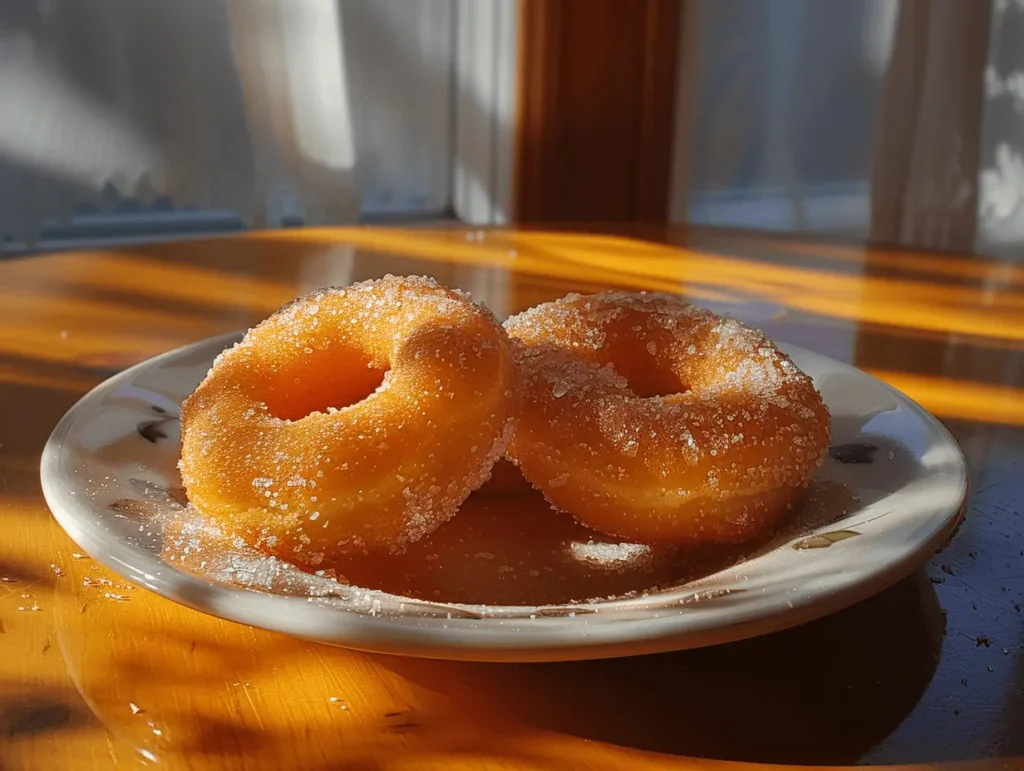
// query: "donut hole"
[[649, 383], [336, 377], [648, 371]]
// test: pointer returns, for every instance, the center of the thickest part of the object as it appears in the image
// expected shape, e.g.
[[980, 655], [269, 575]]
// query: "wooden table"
[[931, 672]]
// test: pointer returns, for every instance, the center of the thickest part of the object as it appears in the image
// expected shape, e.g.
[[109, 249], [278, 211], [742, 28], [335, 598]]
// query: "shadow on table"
[[823, 693]]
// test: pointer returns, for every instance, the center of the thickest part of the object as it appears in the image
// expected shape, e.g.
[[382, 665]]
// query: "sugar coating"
[[612, 556], [352, 419], [652, 419]]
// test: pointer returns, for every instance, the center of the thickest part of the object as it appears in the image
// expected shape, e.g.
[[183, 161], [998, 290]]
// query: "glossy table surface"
[[928, 674]]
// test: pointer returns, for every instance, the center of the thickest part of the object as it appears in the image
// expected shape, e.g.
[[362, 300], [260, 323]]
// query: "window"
[[785, 102], [411, 70]]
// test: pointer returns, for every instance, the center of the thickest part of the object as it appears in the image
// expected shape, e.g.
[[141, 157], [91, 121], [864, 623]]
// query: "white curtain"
[[238, 105], [783, 97], [927, 148], [1001, 199], [864, 118]]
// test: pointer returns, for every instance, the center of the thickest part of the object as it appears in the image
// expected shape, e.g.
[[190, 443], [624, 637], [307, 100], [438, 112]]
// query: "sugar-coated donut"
[[654, 420], [350, 420]]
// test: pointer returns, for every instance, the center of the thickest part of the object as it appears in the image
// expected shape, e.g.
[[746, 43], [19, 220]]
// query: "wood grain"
[[929, 675], [596, 109]]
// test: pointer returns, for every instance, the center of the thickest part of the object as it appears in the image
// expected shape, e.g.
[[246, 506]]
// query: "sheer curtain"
[[1001, 198], [783, 98], [927, 148], [239, 105], [893, 121]]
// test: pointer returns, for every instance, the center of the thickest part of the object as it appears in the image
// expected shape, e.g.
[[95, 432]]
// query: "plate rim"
[[386, 634]]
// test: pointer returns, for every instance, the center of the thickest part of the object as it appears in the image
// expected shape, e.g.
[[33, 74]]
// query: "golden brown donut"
[[351, 419], [654, 420]]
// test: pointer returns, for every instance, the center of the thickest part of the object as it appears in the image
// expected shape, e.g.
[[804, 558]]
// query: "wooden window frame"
[[565, 111], [595, 112]]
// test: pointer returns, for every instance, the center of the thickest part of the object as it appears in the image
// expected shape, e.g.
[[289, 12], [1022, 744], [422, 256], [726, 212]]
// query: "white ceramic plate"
[[114, 455]]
